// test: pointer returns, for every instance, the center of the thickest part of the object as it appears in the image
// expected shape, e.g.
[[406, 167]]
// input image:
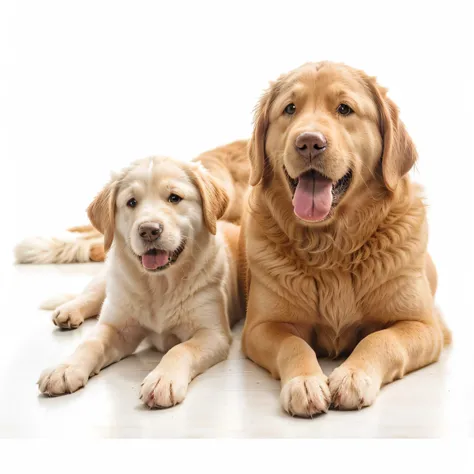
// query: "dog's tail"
[[52, 303], [77, 245]]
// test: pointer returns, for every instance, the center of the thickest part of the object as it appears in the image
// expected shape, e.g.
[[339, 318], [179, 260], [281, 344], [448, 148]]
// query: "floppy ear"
[[399, 152], [101, 213], [214, 198], [257, 141]]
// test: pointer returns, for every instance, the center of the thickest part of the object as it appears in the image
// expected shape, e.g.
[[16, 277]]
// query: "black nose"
[[310, 144], [150, 231]]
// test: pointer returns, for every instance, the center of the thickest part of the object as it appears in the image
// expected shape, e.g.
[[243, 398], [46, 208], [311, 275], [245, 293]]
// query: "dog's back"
[[229, 164]]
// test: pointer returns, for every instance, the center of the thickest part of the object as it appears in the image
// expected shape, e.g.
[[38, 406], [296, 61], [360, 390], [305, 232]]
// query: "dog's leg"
[[167, 384], [107, 344], [284, 350], [87, 305], [382, 357]]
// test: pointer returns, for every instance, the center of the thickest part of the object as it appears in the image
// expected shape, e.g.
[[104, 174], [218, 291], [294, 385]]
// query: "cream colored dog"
[[171, 276]]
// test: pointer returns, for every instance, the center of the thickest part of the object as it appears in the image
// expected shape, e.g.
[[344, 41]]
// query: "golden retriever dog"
[[171, 277], [228, 165], [335, 240]]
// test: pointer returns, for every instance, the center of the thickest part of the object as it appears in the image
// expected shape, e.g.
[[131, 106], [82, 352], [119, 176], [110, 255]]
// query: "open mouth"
[[316, 195], [155, 260]]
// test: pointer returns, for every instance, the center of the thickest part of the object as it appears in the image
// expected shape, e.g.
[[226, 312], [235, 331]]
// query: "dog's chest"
[[158, 310], [335, 300], [161, 314], [326, 294], [330, 301], [338, 316]]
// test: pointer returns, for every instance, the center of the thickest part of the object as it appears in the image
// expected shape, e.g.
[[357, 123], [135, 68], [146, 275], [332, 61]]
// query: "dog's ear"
[[214, 198], [399, 152], [101, 212], [256, 149]]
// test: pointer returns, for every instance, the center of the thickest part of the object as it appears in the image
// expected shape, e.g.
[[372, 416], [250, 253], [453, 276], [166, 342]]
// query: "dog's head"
[[157, 206], [327, 131]]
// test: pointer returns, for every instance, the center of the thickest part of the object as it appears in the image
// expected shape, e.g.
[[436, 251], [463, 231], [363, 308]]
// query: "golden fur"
[[360, 282], [184, 306]]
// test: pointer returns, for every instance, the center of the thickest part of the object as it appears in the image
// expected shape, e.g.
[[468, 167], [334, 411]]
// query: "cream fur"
[[66, 247]]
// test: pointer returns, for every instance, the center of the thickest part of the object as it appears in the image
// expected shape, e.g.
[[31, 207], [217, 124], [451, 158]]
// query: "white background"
[[87, 86]]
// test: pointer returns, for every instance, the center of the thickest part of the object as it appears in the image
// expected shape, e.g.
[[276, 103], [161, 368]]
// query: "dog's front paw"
[[67, 316], [63, 379], [352, 389], [163, 390], [306, 396]]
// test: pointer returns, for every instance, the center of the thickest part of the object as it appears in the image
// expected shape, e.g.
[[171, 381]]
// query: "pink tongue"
[[154, 261], [313, 197]]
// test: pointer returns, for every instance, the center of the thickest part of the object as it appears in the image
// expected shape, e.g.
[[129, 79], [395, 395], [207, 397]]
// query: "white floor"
[[233, 399]]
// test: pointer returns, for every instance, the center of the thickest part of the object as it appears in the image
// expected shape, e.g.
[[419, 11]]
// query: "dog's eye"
[[344, 109], [132, 202], [174, 198], [290, 109]]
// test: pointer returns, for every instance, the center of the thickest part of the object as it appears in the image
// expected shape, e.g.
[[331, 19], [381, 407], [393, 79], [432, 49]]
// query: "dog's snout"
[[150, 231], [310, 144]]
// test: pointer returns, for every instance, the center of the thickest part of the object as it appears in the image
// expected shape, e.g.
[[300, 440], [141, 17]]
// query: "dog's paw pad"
[[161, 390], [63, 379], [352, 389], [306, 396], [67, 318]]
